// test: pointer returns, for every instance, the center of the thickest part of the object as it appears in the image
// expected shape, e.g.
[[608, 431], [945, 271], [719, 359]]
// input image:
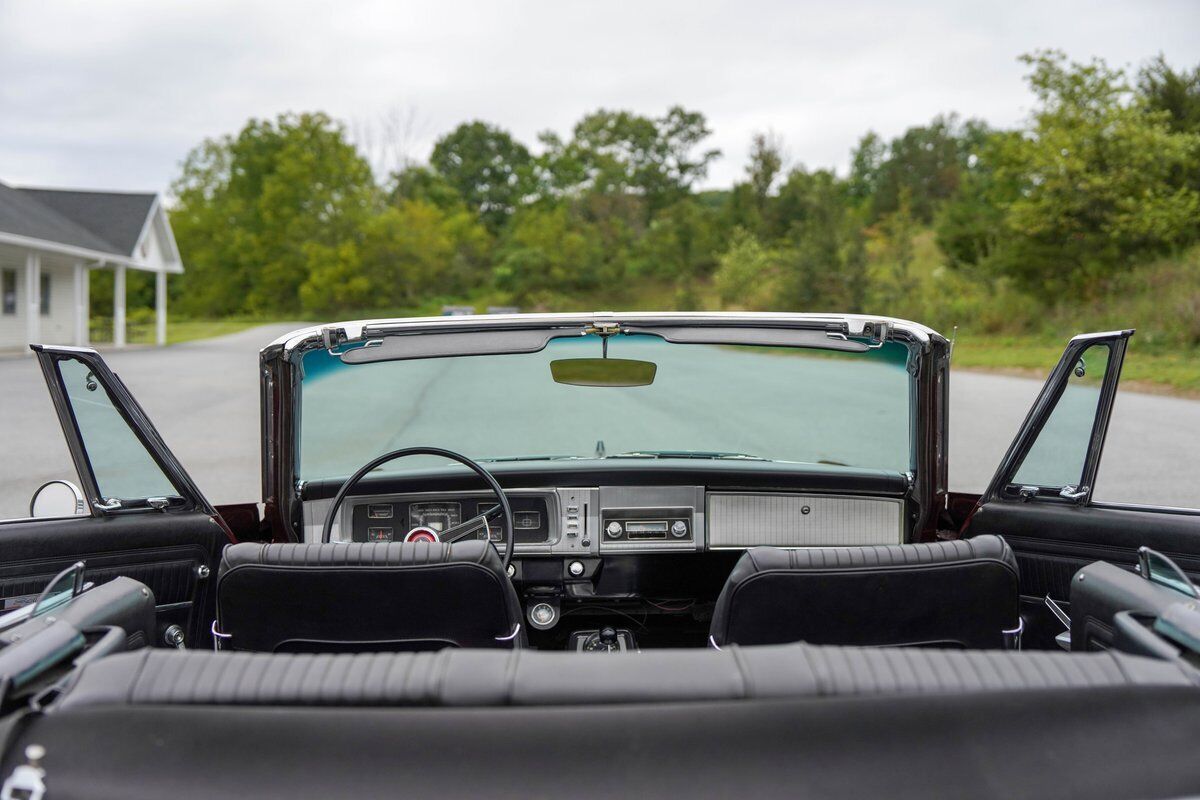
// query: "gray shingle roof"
[[116, 217], [108, 222]]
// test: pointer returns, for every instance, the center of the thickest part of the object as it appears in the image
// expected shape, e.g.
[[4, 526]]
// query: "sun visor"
[[412, 346], [761, 337]]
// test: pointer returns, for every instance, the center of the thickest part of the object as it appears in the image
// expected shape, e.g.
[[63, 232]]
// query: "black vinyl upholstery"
[[479, 678], [365, 596], [959, 593]]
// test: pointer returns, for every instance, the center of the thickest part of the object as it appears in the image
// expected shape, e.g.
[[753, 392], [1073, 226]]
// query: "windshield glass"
[[705, 401]]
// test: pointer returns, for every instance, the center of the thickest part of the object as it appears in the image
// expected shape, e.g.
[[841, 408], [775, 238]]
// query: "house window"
[[45, 297], [8, 291]]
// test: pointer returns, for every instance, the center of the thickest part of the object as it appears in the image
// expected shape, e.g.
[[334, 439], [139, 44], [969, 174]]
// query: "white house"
[[51, 239]]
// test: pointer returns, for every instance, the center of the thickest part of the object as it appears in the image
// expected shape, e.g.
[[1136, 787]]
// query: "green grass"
[[178, 331], [1171, 371]]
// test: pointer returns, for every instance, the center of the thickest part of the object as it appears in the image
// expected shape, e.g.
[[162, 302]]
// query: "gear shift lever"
[[608, 639]]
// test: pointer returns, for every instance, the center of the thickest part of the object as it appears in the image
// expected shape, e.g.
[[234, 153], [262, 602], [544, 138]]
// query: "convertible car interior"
[[601, 555]]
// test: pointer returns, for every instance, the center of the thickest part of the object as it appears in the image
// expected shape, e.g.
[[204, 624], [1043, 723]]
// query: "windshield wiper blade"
[[711, 455]]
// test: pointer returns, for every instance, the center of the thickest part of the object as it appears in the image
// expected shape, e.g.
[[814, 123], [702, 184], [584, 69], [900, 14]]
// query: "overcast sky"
[[113, 94]]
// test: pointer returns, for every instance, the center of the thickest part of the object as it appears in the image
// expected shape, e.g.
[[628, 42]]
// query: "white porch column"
[[160, 308], [33, 298], [82, 312], [119, 305]]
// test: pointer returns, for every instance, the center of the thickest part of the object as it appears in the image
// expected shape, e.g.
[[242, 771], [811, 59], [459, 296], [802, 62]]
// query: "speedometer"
[[435, 516]]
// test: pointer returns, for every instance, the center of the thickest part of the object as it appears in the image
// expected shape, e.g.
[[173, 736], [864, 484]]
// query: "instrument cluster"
[[414, 520]]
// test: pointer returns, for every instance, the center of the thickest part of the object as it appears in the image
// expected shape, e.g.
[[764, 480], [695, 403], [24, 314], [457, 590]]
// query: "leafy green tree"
[[254, 210], [741, 209], [866, 162], [336, 281], [680, 243], [925, 165], [972, 226], [825, 262], [1101, 181], [421, 183], [766, 162], [489, 169], [748, 273], [549, 251], [620, 152], [1177, 92]]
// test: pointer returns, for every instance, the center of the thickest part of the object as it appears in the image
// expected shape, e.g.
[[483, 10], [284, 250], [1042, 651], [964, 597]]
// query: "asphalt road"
[[203, 397]]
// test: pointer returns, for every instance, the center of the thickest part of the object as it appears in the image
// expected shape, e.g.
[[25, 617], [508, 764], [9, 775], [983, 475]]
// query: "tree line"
[[286, 217]]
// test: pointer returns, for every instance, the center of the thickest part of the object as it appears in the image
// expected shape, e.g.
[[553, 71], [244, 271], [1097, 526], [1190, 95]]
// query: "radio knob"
[[679, 529], [613, 529]]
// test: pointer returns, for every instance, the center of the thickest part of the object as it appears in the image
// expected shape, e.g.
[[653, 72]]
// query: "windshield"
[[705, 401]]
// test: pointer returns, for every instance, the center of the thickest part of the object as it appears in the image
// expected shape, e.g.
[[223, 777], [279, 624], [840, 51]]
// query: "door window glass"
[[1057, 456], [123, 468]]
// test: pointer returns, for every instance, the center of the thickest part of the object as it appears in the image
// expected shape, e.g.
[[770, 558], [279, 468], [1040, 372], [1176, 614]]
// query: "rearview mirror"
[[603, 372], [57, 498]]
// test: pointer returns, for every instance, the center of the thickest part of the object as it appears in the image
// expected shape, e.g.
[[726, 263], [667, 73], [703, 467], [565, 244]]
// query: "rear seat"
[[531, 678]]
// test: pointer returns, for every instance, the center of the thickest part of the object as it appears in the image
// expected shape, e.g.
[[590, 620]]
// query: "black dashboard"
[[639, 508]]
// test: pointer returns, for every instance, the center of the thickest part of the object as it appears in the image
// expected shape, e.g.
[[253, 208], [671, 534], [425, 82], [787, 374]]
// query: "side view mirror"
[[58, 498]]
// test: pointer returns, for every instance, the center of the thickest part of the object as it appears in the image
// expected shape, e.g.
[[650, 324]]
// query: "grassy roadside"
[[1165, 371], [178, 331]]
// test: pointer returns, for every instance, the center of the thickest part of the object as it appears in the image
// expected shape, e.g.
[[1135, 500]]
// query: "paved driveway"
[[203, 397]]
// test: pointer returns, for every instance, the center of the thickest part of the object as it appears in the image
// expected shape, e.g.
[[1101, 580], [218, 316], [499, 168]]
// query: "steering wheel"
[[453, 534]]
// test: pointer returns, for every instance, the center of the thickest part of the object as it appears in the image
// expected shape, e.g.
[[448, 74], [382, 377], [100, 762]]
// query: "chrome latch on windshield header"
[[332, 337], [876, 332]]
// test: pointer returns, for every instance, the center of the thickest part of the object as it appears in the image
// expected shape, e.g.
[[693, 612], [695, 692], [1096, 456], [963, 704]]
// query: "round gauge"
[[422, 534]]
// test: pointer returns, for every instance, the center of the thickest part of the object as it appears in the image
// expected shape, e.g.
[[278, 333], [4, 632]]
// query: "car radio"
[[631, 525]]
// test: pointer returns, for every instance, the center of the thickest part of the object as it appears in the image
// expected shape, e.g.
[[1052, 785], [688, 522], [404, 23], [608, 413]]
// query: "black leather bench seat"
[[532, 678]]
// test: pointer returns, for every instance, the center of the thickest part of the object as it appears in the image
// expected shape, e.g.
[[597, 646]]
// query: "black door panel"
[[167, 552], [1053, 540]]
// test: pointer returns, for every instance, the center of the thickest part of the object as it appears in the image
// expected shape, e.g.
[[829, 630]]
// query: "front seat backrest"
[[365, 597], [959, 593]]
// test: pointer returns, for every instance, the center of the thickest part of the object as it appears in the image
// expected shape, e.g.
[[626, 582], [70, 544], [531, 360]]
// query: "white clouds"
[[114, 94]]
